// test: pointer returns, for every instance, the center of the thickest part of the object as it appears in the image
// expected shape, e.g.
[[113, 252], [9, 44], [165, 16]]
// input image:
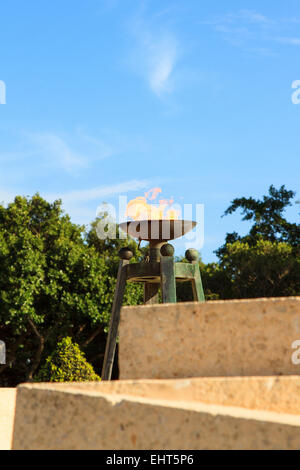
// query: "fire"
[[140, 209]]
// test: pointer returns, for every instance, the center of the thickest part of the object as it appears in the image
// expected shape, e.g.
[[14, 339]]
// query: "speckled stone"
[[280, 394], [7, 412], [63, 416], [221, 338], [243, 391]]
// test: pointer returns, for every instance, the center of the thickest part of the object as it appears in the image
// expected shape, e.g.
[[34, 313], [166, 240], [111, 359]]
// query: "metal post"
[[198, 293], [110, 349], [151, 293], [167, 274]]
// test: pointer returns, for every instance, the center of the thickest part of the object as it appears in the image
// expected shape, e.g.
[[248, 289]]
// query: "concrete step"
[[254, 337], [7, 412], [280, 394], [237, 383], [248, 413]]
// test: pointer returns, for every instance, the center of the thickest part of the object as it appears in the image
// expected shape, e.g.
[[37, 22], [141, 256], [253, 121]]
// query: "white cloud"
[[242, 16], [86, 195], [155, 56], [6, 196], [58, 151], [288, 41], [54, 152], [82, 205], [253, 16], [162, 57], [252, 30]]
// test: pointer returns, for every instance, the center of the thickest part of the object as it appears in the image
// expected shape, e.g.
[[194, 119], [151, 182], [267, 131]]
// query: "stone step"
[[280, 394], [257, 337], [7, 412], [169, 415]]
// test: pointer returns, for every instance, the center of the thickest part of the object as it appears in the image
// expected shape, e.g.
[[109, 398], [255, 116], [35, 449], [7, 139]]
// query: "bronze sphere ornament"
[[125, 253], [167, 250], [192, 255]]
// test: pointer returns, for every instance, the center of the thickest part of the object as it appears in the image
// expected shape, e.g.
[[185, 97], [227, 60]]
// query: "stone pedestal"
[[213, 339], [159, 415], [7, 413]]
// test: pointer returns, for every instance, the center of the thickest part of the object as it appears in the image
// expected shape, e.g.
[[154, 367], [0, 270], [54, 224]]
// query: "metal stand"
[[161, 271]]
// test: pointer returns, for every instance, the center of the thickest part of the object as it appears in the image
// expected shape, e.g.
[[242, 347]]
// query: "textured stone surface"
[[65, 417], [220, 338], [223, 344], [7, 411], [279, 394]]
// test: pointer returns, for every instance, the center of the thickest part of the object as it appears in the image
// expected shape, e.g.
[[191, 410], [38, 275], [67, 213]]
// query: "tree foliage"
[[267, 215], [66, 364], [266, 261], [53, 283], [266, 269]]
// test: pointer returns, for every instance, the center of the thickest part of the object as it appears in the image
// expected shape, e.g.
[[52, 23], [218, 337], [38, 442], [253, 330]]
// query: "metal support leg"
[[198, 292], [114, 322], [168, 280], [151, 293]]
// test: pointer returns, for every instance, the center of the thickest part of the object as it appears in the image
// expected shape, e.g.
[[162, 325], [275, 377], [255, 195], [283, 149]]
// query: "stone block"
[[213, 339]]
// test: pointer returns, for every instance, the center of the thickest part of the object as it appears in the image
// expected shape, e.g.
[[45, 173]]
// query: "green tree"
[[266, 261], [53, 284], [267, 216], [66, 364], [266, 269]]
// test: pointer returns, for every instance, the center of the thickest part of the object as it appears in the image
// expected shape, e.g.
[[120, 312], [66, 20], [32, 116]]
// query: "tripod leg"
[[198, 292], [114, 322], [168, 280], [151, 293]]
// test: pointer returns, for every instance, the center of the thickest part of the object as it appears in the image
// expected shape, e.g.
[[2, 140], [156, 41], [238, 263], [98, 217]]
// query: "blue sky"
[[118, 96]]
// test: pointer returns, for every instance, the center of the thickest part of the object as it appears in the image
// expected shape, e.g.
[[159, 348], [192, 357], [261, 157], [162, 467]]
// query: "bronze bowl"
[[157, 231]]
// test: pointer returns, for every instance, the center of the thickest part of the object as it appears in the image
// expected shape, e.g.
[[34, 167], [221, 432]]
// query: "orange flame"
[[152, 193], [139, 209]]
